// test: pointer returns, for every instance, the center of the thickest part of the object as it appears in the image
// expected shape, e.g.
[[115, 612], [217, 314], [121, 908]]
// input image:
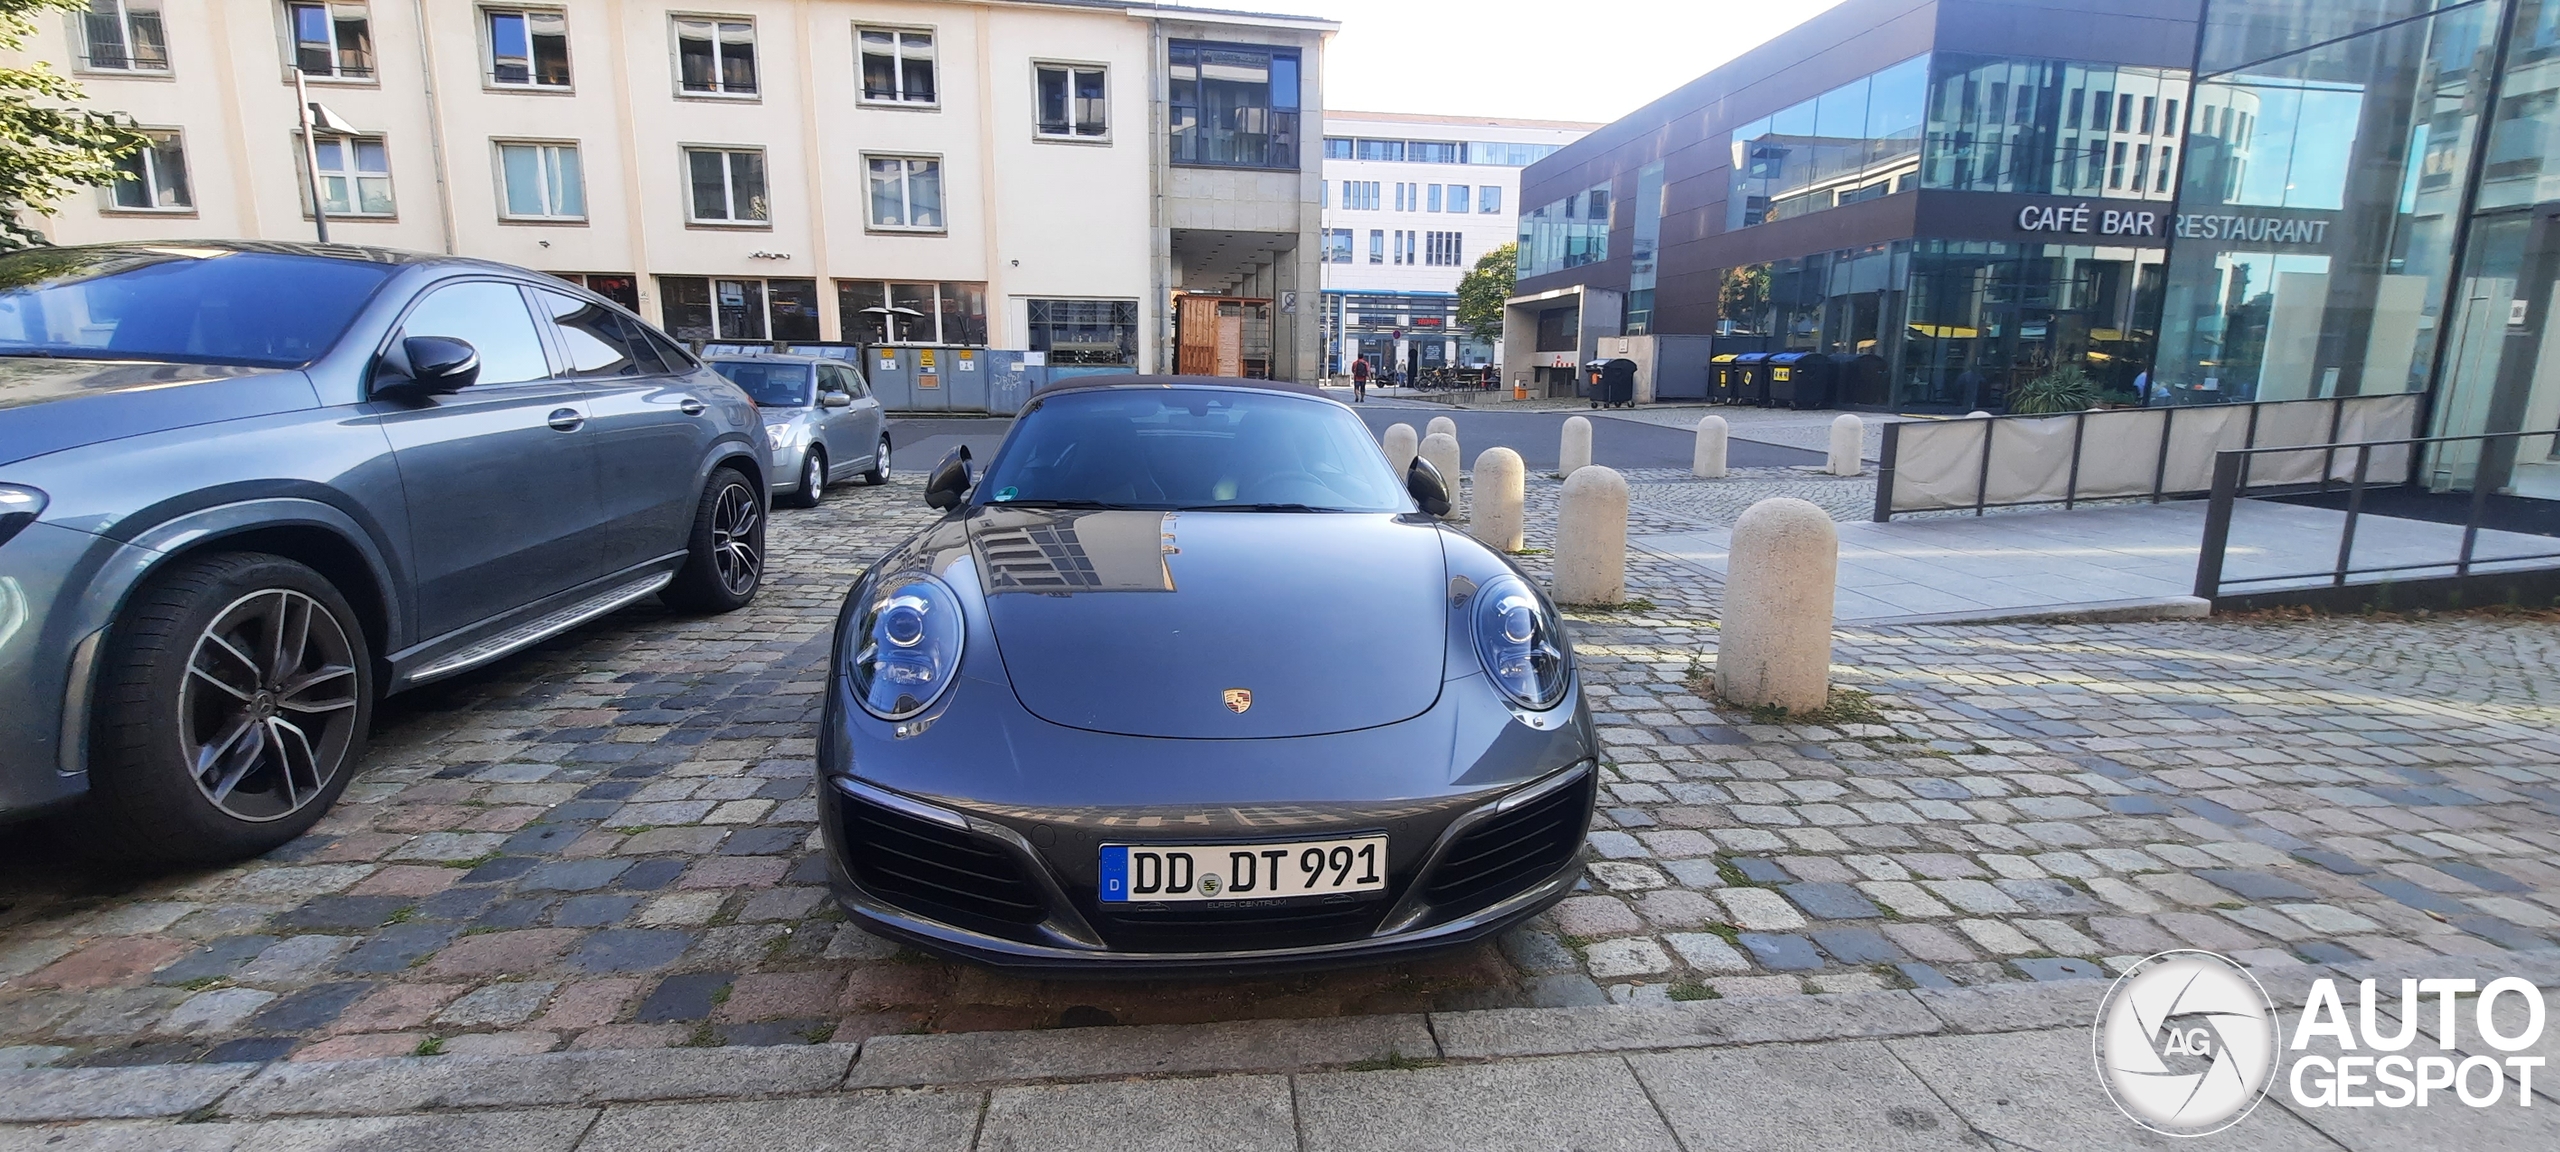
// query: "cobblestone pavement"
[[605, 842]]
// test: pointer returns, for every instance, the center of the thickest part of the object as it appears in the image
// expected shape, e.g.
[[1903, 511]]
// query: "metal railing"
[[2130, 454], [2231, 469]]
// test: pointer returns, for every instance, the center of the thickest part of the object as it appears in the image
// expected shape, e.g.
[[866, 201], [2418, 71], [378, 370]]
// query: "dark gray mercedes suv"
[[246, 489]]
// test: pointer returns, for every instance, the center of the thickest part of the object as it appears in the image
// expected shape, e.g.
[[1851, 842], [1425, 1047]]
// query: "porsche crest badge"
[[1239, 699]]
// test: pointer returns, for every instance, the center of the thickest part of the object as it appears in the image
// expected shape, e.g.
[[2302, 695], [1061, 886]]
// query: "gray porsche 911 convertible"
[[1188, 681]]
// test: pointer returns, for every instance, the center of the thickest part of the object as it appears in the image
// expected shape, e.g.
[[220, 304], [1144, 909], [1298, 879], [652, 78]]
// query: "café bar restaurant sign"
[[2090, 220]]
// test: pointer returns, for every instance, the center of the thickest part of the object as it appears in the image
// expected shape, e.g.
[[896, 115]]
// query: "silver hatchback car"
[[821, 422]]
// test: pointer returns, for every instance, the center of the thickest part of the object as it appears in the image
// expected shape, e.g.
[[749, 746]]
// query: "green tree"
[[1744, 296], [1482, 292], [49, 146]]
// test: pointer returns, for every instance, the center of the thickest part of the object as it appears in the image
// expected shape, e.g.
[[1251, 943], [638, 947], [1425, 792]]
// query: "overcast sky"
[[1552, 60]]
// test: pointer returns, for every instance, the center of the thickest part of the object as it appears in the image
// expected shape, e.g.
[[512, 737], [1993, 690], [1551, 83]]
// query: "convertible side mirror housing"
[[835, 399], [1431, 492], [951, 481], [430, 366]]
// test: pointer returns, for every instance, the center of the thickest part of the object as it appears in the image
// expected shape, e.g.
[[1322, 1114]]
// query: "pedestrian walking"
[[1359, 379]]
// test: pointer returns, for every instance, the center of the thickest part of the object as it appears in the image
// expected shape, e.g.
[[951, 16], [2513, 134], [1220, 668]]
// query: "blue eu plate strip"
[[1115, 873]]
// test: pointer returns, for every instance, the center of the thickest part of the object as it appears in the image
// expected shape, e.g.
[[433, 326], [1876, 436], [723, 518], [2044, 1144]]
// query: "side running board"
[[539, 629]]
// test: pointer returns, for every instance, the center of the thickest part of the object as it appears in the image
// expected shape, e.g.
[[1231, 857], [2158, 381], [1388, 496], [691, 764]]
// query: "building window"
[[1434, 152], [1072, 101], [355, 175], [1377, 246], [1085, 331], [728, 185], [1337, 148], [906, 192], [2169, 117], [702, 308], [123, 36], [1489, 198], [898, 312], [2168, 157], [154, 178], [542, 181], [1337, 246], [1509, 155], [715, 57], [528, 49], [333, 40], [1444, 249], [1382, 150], [2115, 170], [620, 287], [897, 66], [2097, 164], [1233, 105], [1458, 197], [1567, 233], [1360, 195], [2141, 166], [1433, 199]]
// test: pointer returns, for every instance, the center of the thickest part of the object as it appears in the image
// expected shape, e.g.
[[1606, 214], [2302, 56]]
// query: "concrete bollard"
[[1775, 646], [1708, 461], [1848, 445], [1575, 452], [1401, 444], [1498, 518], [1440, 425], [1441, 449], [1591, 538]]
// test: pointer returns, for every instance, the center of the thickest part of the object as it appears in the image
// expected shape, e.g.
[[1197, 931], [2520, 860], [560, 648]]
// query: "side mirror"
[[1428, 489], [835, 399], [436, 365], [950, 482]]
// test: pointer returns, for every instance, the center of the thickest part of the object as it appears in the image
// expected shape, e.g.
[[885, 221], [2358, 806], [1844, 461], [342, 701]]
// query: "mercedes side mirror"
[[1429, 490], [950, 482], [435, 365], [835, 399]]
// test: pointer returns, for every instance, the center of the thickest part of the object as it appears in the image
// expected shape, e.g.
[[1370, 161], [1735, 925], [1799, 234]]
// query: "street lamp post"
[[310, 154]]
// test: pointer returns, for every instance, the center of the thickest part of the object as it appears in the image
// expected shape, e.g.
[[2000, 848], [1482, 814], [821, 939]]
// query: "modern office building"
[[2245, 199], [1105, 183], [1410, 203], [1964, 194]]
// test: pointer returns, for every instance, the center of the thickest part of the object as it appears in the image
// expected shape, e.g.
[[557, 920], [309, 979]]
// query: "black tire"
[[878, 473], [723, 564], [174, 774], [813, 480]]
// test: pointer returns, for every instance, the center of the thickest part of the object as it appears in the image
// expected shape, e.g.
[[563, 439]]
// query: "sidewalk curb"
[[408, 1085]]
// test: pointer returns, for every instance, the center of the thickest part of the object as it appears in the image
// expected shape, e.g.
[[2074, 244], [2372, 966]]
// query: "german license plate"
[[1152, 872]]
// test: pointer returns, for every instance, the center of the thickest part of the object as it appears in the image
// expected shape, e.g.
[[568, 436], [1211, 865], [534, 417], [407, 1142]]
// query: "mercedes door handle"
[[566, 420], [691, 406]]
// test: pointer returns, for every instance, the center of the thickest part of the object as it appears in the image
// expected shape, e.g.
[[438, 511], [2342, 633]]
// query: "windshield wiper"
[[1267, 507], [1038, 502]]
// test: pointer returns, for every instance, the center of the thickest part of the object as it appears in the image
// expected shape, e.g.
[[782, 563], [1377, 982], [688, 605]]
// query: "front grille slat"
[[1496, 856], [938, 871]]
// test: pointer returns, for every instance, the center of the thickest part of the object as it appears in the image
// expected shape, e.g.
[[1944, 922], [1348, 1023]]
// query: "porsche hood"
[[1211, 625]]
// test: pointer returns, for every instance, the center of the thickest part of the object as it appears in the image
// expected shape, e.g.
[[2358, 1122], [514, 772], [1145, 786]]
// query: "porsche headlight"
[[905, 646], [1522, 653]]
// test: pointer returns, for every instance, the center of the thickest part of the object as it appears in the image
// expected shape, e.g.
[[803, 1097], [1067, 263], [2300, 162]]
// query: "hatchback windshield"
[[1194, 450], [194, 305], [769, 385]]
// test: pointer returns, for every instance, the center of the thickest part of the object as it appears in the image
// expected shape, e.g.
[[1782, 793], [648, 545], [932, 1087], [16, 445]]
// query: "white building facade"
[[1410, 203], [1064, 176]]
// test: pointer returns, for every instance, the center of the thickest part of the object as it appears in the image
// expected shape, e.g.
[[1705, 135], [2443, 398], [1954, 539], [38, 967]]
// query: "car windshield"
[[193, 305], [769, 385], [1192, 449]]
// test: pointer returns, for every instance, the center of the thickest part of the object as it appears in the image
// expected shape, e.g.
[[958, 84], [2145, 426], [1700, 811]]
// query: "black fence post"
[[2355, 508], [1982, 480], [2217, 524], [1884, 471], [2160, 466], [2071, 487], [2479, 506]]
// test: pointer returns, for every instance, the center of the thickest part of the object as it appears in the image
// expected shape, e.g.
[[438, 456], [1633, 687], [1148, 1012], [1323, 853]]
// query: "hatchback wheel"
[[813, 479], [879, 473], [724, 560], [233, 706]]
